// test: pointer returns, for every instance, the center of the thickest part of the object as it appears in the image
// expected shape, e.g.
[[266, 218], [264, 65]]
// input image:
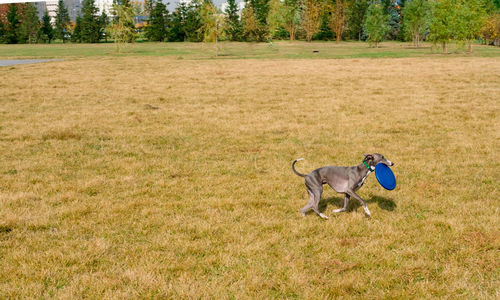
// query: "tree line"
[[439, 21]]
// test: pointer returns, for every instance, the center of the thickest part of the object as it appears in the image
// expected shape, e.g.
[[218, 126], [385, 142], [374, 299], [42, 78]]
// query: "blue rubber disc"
[[385, 176]]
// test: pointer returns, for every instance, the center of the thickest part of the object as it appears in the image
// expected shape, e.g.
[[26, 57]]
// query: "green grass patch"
[[232, 50]]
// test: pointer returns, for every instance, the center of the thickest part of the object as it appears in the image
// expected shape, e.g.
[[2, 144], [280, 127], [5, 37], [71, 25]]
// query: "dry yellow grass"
[[154, 177]]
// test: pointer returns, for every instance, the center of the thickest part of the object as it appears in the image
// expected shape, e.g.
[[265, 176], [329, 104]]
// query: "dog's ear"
[[368, 157]]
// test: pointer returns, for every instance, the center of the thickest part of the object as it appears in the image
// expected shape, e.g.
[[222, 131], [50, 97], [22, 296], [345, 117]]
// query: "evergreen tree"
[[46, 31], [90, 25], [192, 22], [176, 33], [30, 24], [233, 25], [376, 25], [186, 22], [76, 35], [103, 23], [62, 21], [156, 30], [12, 27], [394, 21], [260, 10], [400, 6]]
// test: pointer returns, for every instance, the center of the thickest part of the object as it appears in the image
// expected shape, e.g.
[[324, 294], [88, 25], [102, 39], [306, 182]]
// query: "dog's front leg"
[[353, 194], [346, 203]]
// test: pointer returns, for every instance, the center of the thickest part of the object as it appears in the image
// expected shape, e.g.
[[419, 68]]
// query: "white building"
[[73, 6], [103, 5]]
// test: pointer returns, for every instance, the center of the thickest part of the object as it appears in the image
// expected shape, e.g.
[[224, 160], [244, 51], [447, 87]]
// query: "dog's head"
[[375, 158]]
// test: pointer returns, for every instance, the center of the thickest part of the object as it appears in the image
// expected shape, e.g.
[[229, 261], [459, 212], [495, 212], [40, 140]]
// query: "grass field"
[[278, 50], [142, 176]]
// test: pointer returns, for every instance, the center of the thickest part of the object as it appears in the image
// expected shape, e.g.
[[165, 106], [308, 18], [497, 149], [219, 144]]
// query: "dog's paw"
[[367, 212], [323, 216], [338, 210]]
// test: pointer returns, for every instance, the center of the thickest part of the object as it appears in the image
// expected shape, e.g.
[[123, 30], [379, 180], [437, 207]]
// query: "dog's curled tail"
[[293, 167]]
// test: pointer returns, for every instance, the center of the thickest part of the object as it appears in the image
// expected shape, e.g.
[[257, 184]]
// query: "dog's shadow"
[[337, 202]]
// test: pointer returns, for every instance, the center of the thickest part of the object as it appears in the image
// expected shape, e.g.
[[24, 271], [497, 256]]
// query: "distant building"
[[103, 5], [74, 7]]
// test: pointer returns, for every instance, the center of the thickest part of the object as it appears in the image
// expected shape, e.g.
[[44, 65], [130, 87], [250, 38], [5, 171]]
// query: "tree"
[[2, 33], [233, 25], [338, 17], [120, 29], [12, 27], [311, 17], [400, 6], [46, 31], [254, 19], [441, 28], [471, 17], [356, 18], [61, 22], [249, 22], [76, 35], [212, 24], [103, 23], [416, 15], [376, 25], [192, 22], [394, 21], [176, 32], [30, 24], [186, 22], [491, 30], [291, 17], [90, 25], [128, 14], [275, 17], [156, 30]]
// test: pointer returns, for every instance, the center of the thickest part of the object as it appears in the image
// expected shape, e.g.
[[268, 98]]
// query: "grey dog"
[[346, 180]]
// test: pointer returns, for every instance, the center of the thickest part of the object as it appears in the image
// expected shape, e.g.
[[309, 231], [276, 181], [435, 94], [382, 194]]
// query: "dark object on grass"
[[315, 51], [149, 106]]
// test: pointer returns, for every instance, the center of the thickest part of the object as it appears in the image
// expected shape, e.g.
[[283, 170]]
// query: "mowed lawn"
[[158, 177]]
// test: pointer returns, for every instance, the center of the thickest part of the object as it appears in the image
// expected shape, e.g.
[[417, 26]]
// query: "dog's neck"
[[366, 171], [371, 168]]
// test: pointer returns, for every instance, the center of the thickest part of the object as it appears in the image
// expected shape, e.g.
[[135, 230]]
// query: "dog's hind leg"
[[314, 189], [309, 204], [346, 203]]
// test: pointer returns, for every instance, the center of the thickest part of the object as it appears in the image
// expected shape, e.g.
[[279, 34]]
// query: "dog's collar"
[[368, 166]]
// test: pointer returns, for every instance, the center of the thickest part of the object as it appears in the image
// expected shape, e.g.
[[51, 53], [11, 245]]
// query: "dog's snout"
[[392, 164]]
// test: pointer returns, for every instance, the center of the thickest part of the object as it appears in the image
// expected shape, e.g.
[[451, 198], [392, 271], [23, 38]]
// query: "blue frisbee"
[[385, 176]]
